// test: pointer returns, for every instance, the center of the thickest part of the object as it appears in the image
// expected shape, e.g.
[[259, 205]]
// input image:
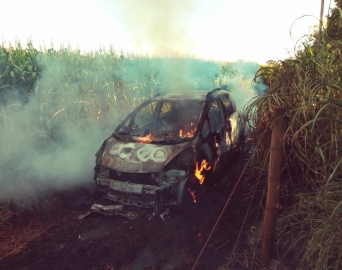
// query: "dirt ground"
[[48, 235]]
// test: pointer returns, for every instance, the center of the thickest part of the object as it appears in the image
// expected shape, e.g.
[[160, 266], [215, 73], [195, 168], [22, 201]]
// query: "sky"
[[223, 30]]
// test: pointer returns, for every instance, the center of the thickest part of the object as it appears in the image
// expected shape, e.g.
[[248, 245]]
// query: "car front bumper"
[[169, 192]]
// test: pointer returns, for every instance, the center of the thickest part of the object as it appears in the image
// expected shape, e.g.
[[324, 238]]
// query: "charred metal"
[[154, 154]]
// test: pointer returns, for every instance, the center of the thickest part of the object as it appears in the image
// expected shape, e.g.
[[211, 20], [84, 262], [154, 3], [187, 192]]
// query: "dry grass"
[[5, 213], [309, 87]]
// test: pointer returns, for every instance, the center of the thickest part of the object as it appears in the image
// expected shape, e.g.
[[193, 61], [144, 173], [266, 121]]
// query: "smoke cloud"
[[159, 27], [50, 141], [237, 77]]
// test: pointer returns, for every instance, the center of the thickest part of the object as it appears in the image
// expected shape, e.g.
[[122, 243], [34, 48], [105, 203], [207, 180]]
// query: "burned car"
[[165, 149]]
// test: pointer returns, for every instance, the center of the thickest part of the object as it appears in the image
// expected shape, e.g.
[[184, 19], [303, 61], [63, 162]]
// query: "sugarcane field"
[[167, 159]]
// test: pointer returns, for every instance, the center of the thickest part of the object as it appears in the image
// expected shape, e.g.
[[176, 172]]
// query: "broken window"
[[228, 105], [164, 120], [144, 115], [165, 108]]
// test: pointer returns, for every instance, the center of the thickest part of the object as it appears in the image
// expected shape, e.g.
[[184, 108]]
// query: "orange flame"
[[192, 193], [190, 133], [145, 139], [198, 171]]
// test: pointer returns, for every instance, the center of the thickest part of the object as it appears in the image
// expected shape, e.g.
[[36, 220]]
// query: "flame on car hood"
[[135, 157]]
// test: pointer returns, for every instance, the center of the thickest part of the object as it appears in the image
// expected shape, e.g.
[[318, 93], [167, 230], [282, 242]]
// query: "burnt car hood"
[[134, 157]]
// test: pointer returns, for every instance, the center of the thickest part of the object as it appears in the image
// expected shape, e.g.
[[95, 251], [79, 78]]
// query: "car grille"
[[137, 178]]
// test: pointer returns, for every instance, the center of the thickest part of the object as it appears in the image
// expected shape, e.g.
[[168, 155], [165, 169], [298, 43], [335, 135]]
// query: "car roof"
[[200, 95]]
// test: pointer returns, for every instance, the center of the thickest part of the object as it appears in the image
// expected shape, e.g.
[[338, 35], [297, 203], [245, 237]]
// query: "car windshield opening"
[[164, 120]]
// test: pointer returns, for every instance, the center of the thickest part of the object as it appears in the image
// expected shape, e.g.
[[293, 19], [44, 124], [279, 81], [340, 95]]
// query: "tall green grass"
[[309, 85]]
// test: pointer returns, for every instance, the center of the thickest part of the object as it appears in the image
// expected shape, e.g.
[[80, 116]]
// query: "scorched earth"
[[46, 233]]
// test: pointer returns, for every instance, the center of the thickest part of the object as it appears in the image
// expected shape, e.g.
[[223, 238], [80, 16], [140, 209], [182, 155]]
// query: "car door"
[[217, 132], [232, 122]]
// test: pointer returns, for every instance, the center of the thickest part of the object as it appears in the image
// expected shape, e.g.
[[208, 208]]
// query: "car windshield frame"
[[164, 121]]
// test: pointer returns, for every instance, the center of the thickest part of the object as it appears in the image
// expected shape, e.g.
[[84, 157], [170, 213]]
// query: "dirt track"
[[49, 236]]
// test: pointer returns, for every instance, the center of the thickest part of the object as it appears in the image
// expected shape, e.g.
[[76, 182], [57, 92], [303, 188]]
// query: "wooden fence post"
[[273, 185]]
